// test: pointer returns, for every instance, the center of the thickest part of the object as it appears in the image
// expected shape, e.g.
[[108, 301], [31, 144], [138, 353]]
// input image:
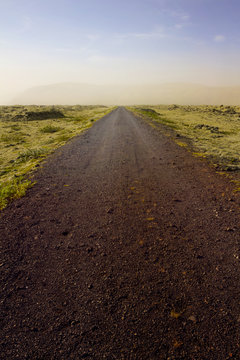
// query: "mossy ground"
[[29, 133]]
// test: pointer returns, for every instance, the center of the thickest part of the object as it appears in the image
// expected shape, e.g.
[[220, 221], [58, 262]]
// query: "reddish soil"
[[127, 247]]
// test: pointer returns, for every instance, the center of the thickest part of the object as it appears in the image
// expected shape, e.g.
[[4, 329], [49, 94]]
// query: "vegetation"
[[50, 129], [212, 132], [30, 133]]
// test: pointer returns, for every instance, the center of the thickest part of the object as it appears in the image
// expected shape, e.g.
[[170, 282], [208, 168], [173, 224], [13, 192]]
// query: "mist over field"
[[70, 94], [128, 52]]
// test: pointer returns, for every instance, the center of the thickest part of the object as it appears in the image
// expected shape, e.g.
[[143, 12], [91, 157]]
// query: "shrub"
[[31, 154]]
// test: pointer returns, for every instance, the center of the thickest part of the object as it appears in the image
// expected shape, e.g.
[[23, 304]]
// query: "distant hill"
[[70, 94]]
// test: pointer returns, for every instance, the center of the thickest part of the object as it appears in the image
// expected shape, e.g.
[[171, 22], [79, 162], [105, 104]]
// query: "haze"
[[135, 47]]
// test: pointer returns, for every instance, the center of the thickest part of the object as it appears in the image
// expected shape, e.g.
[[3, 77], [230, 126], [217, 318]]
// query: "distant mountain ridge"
[[87, 94]]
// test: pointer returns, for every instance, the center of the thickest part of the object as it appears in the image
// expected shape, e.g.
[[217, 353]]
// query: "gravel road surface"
[[126, 248]]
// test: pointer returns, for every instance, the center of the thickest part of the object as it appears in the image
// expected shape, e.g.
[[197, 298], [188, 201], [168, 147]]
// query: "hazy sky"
[[127, 41]]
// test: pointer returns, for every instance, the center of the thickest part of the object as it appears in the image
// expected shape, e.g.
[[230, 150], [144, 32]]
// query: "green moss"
[[49, 129], [182, 144], [64, 137], [12, 138], [201, 155], [13, 189]]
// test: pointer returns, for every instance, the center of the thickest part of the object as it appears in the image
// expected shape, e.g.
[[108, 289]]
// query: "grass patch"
[[30, 133], [13, 189], [49, 129], [31, 154], [12, 138], [182, 144], [149, 112], [15, 127], [64, 137]]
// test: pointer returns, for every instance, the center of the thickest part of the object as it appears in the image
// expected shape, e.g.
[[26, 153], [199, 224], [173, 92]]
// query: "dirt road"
[[126, 248]]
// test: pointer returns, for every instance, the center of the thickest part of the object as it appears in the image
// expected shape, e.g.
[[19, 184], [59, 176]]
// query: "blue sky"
[[107, 41]]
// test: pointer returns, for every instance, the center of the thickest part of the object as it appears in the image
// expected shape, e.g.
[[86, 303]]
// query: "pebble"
[[192, 318]]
